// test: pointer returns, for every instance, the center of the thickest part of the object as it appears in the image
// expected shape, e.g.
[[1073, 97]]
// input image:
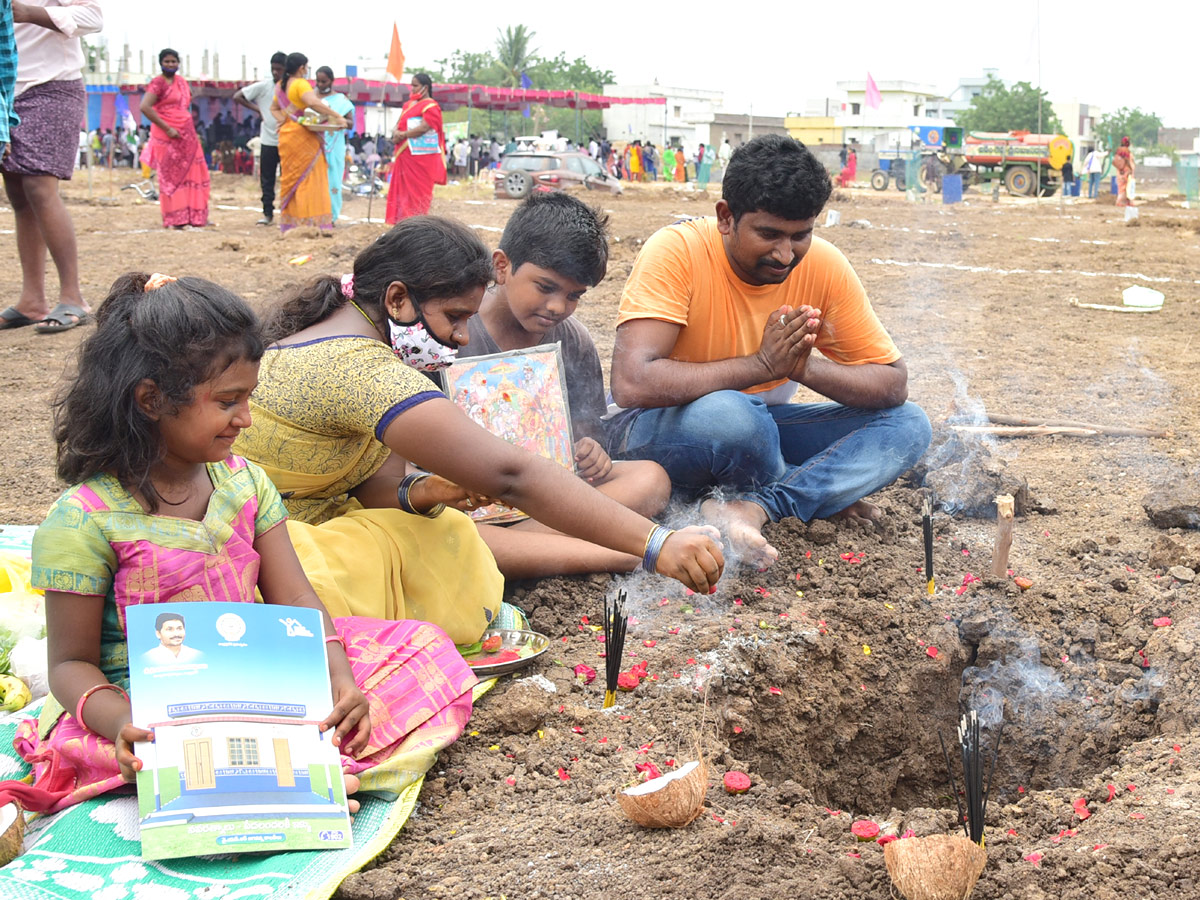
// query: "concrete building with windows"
[[690, 117], [903, 104]]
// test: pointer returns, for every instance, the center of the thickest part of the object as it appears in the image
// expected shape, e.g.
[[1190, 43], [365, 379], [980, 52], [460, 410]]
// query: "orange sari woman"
[[1123, 164], [304, 181], [420, 160]]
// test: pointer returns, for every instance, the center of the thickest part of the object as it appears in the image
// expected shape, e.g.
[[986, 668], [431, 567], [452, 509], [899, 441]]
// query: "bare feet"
[[741, 522], [860, 511], [352, 785]]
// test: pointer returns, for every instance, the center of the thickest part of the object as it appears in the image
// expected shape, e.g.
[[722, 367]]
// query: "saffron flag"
[[873, 98], [395, 63]]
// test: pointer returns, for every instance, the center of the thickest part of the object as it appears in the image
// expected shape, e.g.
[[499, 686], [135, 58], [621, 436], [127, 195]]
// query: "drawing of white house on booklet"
[[234, 693]]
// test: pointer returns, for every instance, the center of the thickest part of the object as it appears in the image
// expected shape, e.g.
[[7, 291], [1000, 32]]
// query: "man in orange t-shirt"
[[717, 327]]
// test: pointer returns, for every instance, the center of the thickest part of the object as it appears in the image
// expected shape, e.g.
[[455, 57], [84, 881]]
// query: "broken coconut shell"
[[937, 867], [669, 801], [12, 833]]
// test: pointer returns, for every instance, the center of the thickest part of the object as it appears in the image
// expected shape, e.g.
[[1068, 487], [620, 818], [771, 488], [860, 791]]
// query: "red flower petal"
[[931, 652], [865, 830], [1162, 622], [775, 690], [563, 774]]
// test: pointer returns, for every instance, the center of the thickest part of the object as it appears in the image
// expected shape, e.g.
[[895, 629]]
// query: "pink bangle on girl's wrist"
[[86, 695], [336, 639]]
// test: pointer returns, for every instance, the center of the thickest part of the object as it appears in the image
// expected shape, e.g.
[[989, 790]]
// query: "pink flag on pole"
[[873, 97]]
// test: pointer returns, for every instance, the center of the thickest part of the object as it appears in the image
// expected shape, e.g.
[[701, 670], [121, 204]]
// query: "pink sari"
[[182, 173], [416, 683]]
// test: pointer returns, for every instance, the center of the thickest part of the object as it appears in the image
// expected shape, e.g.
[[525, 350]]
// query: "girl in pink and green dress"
[[162, 511]]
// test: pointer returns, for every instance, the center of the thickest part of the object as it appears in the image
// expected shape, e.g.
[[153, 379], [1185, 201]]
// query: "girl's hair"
[[290, 68], [435, 258], [175, 336], [165, 52]]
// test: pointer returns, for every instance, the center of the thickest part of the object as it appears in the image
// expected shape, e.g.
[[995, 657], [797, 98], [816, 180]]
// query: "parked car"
[[522, 173]]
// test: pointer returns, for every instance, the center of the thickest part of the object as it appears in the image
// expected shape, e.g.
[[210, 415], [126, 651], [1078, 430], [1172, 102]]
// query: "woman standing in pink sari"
[[175, 150]]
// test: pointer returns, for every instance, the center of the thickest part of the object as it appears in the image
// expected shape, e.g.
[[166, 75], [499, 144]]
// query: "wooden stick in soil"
[[1069, 430], [1127, 430], [1004, 534]]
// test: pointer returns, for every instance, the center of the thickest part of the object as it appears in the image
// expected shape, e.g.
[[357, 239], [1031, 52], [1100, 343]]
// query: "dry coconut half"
[[937, 867], [12, 833], [669, 801]]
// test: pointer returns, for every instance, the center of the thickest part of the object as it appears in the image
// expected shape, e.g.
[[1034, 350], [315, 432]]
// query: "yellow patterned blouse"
[[319, 412]]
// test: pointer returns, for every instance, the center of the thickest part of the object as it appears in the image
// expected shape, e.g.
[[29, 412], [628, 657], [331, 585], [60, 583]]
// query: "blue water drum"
[[951, 189]]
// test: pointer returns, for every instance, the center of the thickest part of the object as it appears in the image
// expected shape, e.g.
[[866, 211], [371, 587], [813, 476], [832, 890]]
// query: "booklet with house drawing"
[[521, 396], [234, 693]]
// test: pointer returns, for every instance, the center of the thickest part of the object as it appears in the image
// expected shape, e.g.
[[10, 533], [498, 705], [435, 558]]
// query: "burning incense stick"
[[970, 739], [927, 530], [614, 645]]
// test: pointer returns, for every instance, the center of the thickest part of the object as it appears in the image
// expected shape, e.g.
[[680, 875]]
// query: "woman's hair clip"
[[348, 286], [157, 280]]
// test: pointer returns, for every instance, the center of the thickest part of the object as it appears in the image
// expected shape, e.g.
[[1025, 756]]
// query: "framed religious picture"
[[521, 396]]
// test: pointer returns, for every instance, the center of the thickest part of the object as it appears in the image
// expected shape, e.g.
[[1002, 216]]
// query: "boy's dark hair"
[[279, 58], [434, 257], [176, 336], [326, 71], [163, 618], [776, 175], [558, 232]]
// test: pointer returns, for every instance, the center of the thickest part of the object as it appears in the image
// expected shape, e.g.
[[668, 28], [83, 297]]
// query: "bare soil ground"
[[829, 677]]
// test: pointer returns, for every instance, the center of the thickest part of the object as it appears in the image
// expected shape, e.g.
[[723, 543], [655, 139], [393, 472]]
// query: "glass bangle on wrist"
[[654, 543], [86, 695], [405, 502]]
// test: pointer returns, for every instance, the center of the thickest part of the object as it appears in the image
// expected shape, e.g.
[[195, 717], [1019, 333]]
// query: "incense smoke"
[[962, 471], [1019, 680]]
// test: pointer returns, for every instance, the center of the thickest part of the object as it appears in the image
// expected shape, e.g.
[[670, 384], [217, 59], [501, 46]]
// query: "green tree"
[[1141, 128], [1000, 108], [514, 55], [503, 67], [561, 74], [466, 67], [577, 75]]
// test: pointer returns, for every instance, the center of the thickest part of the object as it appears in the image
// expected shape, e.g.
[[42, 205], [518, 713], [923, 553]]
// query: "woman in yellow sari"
[[340, 410], [304, 180]]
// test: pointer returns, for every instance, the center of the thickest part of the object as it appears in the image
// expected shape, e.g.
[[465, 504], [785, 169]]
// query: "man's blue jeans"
[[807, 460], [1093, 184]]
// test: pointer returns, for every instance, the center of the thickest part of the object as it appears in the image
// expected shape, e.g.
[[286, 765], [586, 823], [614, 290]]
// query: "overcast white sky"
[[773, 55]]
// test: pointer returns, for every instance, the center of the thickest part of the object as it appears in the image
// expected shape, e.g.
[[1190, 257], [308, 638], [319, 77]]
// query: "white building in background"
[[904, 104], [1079, 121], [686, 117], [968, 88]]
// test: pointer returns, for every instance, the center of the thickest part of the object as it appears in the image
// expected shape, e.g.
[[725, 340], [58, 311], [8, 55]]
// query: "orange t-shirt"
[[682, 275]]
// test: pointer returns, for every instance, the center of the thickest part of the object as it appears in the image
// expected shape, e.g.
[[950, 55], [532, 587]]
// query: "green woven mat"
[[92, 852]]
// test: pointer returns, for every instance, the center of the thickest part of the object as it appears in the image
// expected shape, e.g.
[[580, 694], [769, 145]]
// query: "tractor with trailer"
[[1017, 159]]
